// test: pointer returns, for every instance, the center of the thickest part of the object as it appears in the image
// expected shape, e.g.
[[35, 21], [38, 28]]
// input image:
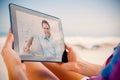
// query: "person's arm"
[[87, 68], [81, 67], [26, 70], [62, 73], [37, 71], [27, 47], [30, 42], [16, 69]]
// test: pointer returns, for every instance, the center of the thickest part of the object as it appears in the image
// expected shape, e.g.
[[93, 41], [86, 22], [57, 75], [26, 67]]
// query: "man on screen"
[[46, 43]]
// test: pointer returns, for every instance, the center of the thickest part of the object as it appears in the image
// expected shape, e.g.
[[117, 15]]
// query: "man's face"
[[46, 30]]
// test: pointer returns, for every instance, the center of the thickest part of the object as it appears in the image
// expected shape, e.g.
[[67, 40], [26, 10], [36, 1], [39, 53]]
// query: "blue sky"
[[79, 17]]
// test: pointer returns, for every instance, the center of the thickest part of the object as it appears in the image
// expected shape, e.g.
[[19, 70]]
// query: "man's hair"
[[44, 21]]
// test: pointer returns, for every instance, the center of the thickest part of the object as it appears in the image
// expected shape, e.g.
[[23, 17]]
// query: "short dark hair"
[[44, 21]]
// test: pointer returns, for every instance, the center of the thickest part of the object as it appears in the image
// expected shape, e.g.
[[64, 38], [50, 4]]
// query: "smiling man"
[[46, 44]]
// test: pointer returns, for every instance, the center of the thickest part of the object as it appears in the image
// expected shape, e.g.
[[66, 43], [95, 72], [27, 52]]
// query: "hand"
[[71, 54], [71, 65], [16, 69], [66, 71], [26, 70], [81, 66], [26, 49]]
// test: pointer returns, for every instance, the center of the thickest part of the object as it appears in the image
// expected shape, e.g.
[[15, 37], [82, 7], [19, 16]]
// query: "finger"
[[71, 54], [9, 40], [68, 47]]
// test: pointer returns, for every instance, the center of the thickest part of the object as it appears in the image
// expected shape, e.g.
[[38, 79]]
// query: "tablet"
[[37, 36]]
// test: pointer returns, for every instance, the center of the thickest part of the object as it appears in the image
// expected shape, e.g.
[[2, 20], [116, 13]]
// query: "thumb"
[[9, 40], [71, 54]]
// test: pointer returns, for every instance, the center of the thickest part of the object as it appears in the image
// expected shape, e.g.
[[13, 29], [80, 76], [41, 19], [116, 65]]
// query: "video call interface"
[[39, 36]]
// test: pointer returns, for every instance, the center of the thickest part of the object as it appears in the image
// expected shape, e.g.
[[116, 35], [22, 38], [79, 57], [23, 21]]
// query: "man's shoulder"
[[36, 37]]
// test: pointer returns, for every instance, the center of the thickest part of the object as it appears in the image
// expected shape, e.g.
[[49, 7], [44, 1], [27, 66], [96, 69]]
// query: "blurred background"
[[79, 17], [92, 27]]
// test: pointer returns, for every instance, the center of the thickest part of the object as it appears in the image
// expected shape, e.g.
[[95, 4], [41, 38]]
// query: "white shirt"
[[45, 47]]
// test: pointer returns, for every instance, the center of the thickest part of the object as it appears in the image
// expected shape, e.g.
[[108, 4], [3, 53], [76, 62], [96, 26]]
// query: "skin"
[[46, 70], [23, 71], [46, 30], [12, 61], [32, 70], [82, 67]]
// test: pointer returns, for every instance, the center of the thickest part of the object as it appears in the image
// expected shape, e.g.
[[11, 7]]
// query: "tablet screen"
[[37, 36]]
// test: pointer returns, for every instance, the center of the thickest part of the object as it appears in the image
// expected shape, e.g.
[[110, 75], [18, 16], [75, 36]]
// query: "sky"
[[94, 18]]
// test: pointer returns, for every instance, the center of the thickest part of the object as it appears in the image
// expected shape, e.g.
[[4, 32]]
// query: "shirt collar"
[[47, 38]]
